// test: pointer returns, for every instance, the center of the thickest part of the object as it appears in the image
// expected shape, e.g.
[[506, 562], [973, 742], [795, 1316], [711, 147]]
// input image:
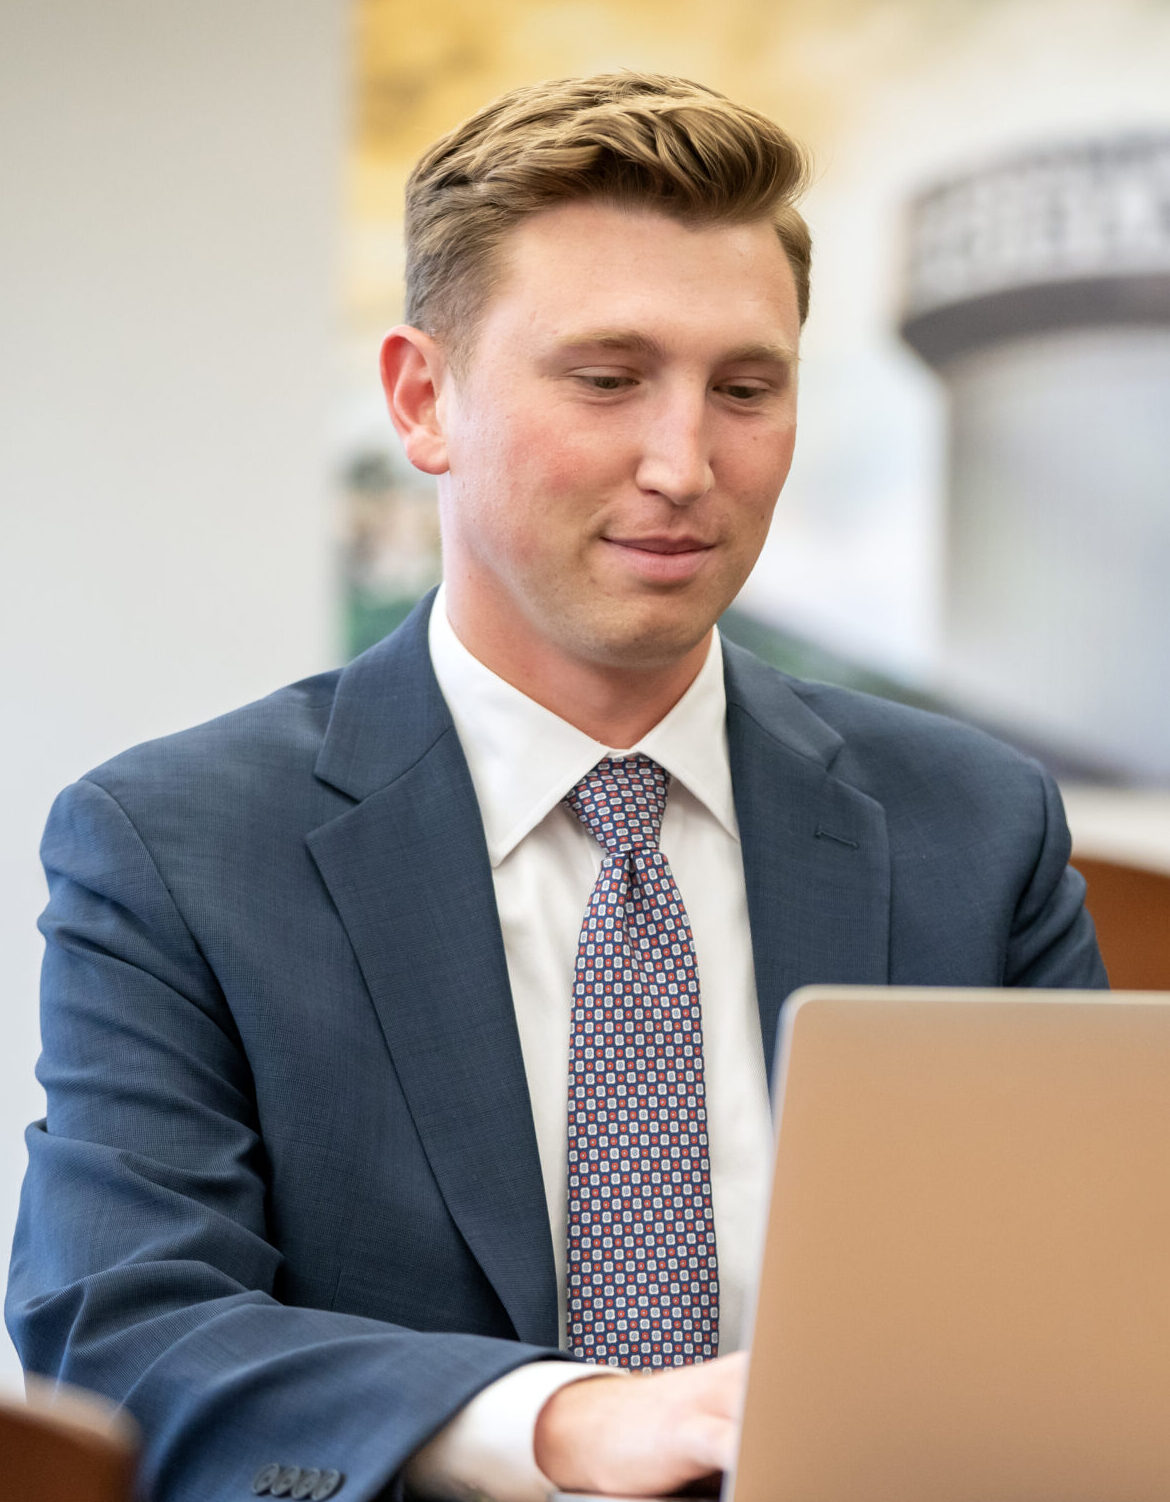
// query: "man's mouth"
[[661, 559], [662, 544]]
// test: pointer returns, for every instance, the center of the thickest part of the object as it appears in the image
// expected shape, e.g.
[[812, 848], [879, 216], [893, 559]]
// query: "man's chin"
[[646, 646]]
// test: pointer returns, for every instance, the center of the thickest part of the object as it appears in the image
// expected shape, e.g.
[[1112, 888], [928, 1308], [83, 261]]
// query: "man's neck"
[[611, 703]]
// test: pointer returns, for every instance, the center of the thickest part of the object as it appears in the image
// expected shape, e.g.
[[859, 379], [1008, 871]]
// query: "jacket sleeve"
[[144, 1266], [1053, 943]]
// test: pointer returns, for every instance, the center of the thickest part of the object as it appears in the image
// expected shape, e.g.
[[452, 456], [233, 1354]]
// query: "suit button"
[[329, 1483], [305, 1487], [264, 1478], [285, 1482]]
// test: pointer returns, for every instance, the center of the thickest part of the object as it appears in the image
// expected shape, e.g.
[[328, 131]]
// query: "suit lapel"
[[815, 851], [408, 870]]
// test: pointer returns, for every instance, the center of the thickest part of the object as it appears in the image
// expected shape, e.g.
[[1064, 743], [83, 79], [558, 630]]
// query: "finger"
[[711, 1441], [727, 1395], [719, 1385]]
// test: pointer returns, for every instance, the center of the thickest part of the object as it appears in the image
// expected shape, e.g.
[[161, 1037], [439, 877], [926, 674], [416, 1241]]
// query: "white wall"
[[169, 203]]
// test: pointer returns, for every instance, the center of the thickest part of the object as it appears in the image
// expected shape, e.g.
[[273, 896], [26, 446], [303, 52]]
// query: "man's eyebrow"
[[765, 354], [635, 342], [631, 340]]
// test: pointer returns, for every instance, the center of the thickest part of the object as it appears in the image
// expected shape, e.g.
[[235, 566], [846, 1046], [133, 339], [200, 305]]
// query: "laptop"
[[965, 1286]]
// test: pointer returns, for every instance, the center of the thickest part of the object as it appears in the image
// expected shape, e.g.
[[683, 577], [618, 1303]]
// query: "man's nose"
[[675, 460]]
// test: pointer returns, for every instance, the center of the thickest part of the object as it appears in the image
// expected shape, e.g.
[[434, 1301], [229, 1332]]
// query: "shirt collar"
[[523, 759]]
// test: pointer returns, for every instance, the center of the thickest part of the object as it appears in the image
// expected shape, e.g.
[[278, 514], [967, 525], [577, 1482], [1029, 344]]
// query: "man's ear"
[[412, 369]]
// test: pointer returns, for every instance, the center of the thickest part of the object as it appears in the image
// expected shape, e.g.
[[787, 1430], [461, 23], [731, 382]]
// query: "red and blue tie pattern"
[[643, 1287]]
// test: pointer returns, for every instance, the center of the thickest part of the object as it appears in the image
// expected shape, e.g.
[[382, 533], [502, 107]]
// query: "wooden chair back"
[[62, 1445], [1131, 907]]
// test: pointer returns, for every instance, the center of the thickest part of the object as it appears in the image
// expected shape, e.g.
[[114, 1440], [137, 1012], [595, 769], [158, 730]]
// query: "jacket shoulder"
[[880, 731], [897, 754], [260, 742]]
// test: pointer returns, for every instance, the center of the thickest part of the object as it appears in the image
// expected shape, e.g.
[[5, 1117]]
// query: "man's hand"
[[644, 1436]]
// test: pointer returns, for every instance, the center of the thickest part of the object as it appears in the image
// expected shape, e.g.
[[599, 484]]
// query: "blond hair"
[[631, 139]]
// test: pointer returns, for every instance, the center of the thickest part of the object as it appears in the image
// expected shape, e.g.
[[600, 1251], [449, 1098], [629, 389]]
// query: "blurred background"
[[201, 495]]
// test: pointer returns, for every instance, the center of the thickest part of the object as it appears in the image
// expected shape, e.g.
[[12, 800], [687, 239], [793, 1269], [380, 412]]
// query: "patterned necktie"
[[642, 1276]]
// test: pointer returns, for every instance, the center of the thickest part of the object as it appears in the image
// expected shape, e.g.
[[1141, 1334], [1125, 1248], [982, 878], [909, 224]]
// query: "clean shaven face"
[[617, 437]]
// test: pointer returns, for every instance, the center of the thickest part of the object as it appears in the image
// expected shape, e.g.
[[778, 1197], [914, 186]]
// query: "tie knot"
[[621, 803]]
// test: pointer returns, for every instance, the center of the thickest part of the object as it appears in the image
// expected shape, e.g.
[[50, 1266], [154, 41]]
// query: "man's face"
[[617, 437]]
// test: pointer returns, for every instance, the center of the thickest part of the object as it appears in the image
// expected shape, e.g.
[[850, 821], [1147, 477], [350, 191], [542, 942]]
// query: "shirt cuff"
[[484, 1454]]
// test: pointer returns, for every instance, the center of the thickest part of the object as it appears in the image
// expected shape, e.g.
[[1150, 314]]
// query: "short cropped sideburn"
[[630, 139]]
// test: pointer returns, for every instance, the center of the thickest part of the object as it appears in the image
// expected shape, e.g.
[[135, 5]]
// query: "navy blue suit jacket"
[[286, 1203]]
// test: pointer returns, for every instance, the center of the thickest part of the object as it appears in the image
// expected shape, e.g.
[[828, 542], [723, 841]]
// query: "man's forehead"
[[616, 276], [579, 223]]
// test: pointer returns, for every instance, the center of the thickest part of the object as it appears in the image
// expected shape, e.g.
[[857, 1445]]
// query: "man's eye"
[[743, 393], [606, 382]]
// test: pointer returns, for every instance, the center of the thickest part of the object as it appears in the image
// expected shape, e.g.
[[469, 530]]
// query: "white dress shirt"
[[523, 759]]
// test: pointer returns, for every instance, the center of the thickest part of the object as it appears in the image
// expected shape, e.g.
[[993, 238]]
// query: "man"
[[306, 1193]]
